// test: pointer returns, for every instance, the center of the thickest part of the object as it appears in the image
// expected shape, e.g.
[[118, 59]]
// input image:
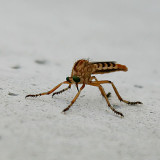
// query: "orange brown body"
[[84, 69], [82, 74]]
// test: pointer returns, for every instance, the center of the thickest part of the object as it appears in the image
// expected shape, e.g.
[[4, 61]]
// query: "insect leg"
[[63, 90], [117, 93], [49, 92], [103, 93], [108, 94], [74, 98]]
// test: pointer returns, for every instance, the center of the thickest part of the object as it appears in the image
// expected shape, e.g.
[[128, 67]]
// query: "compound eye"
[[76, 79], [67, 79]]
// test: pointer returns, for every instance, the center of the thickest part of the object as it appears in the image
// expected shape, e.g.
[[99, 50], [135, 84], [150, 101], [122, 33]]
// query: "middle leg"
[[102, 93]]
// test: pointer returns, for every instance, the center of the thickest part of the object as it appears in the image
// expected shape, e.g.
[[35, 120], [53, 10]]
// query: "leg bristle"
[[31, 95], [134, 103], [66, 109], [60, 91], [119, 113]]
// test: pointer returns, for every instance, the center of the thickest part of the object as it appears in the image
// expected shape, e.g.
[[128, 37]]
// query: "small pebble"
[[138, 86], [40, 61], [16, 67], [12, 94]]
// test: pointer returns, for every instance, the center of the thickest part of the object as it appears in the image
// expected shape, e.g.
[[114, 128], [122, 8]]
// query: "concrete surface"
[[40, 41]]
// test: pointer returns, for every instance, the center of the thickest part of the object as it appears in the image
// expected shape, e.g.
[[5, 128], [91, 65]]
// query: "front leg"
[[49, 92], [102, 93], [77, 95]]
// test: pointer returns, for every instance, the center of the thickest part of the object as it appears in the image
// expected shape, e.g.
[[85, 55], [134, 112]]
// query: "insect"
[[82, 72]]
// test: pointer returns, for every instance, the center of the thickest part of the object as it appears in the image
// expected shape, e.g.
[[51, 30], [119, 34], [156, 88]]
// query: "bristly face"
[[82, 69]]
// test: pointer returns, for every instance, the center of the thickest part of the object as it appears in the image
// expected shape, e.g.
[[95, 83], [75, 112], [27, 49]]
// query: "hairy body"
[[84, 69], [82, 72]]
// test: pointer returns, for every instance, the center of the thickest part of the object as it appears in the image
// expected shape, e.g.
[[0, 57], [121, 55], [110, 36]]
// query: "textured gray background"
[[40, 41]]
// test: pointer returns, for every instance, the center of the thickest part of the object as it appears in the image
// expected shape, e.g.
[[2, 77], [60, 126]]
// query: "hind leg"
[[116, 91]]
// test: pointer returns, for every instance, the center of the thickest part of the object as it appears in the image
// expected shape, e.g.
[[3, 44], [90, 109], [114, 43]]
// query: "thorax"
[[83, 70]]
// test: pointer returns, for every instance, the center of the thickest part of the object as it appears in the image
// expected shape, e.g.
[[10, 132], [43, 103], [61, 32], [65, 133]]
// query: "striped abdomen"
[[107, 67]]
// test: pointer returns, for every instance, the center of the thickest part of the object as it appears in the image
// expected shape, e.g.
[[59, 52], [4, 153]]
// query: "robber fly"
[[82, 72]]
